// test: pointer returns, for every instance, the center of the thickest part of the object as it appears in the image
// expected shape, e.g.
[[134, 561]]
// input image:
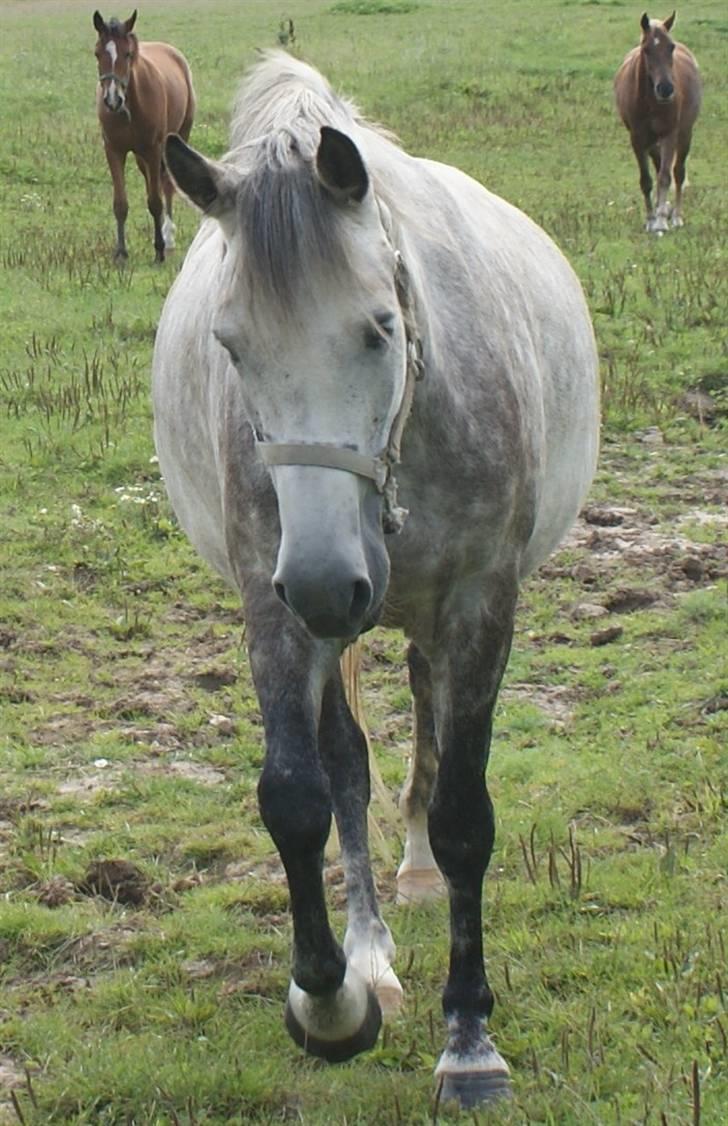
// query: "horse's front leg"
[[467, 667], [683, 149], [643, 164], [116, 162], [331, 1012], [368, 943], [664, 180]]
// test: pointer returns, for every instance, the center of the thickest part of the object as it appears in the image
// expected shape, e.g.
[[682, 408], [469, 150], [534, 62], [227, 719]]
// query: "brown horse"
[[145, 92], [658, 91]]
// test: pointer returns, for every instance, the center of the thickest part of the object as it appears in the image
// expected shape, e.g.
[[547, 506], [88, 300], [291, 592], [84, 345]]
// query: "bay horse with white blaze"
[[658, 90], [144, 93], [375, 397]]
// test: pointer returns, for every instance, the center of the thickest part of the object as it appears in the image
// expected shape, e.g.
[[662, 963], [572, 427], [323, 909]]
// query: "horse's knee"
[[462, 857], [156, 207], [296, 810]]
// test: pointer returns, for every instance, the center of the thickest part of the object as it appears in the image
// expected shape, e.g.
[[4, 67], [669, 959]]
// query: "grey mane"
[[290, 225]]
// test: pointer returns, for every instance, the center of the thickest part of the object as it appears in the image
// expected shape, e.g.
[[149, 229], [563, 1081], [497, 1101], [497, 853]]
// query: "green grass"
[[130, 727]]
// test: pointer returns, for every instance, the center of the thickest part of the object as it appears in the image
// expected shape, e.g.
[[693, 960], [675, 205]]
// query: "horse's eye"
[[379, 331], [229, 348]]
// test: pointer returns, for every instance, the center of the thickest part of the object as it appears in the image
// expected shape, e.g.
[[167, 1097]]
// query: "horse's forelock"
[[117, 29], [291, 231]]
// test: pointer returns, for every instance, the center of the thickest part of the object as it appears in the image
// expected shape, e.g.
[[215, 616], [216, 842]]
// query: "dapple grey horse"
[[375, 396]]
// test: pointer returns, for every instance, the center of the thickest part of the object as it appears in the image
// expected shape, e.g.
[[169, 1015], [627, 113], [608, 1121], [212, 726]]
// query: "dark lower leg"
[[294, 793]]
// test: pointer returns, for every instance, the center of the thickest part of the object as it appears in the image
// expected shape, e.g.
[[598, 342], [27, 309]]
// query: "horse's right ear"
[[99, 22], [645, 22], [209, 185]]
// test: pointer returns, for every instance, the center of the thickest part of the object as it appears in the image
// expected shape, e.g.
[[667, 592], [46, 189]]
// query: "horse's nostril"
[[280, 590], [360, 599]]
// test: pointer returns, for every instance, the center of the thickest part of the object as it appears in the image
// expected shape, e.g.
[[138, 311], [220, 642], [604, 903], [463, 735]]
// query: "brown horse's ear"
[[645, 22], [669, 21], [99, 23], [340, 167], [129, 24], [209, 185]]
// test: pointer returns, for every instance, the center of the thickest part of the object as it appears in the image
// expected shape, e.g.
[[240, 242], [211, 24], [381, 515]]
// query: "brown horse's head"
[[657, 51], [116, 49]]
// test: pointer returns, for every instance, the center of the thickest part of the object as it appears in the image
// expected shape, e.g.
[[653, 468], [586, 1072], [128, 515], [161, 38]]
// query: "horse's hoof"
[[473, 1076], [121, 257], [470, 1089], [338, 1027], [677, 222], [390, 999], [418, 885]]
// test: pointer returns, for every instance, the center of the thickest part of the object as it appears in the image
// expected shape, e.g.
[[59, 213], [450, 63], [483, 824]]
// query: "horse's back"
[[688, 82], [626, 88], [173, 72], [535, 329]]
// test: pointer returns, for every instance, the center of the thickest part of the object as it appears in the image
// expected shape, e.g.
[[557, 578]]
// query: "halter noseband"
[[377, 469], [123, 82]]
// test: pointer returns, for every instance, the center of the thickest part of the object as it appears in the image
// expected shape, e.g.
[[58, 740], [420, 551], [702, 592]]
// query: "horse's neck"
[[644, 87]]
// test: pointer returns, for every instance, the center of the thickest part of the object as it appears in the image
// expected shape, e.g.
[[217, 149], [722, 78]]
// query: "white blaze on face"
[[115, 90]]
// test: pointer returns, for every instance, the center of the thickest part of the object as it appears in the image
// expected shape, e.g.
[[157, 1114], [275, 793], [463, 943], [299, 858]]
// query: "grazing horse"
[[375, 397], [658, 91], [144, 93]]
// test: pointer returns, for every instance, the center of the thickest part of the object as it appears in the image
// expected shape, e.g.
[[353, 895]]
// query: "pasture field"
[[151, 991]]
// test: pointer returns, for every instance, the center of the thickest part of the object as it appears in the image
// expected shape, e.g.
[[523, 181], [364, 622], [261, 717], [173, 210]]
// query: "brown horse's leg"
[[664, 179], [116, 162], [640, 152], [680, 161], [168, 227], [151, 167]]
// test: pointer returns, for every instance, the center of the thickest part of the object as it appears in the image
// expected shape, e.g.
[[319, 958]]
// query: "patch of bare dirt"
[[117, 880], [610, 539], [556, 701]]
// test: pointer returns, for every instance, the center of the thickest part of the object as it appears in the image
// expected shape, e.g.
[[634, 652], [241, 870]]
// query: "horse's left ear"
[[669, 21], [340, 167], [209, 185], [130, 22]]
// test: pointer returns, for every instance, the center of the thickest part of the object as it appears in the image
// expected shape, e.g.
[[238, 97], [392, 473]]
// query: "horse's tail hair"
[[351, 676]]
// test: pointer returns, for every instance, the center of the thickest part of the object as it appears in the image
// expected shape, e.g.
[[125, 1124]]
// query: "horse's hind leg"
[[168, 227], [419, 877], [116, 162], [150, 164], [331, 1010], [368, 943], [467, 667]]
